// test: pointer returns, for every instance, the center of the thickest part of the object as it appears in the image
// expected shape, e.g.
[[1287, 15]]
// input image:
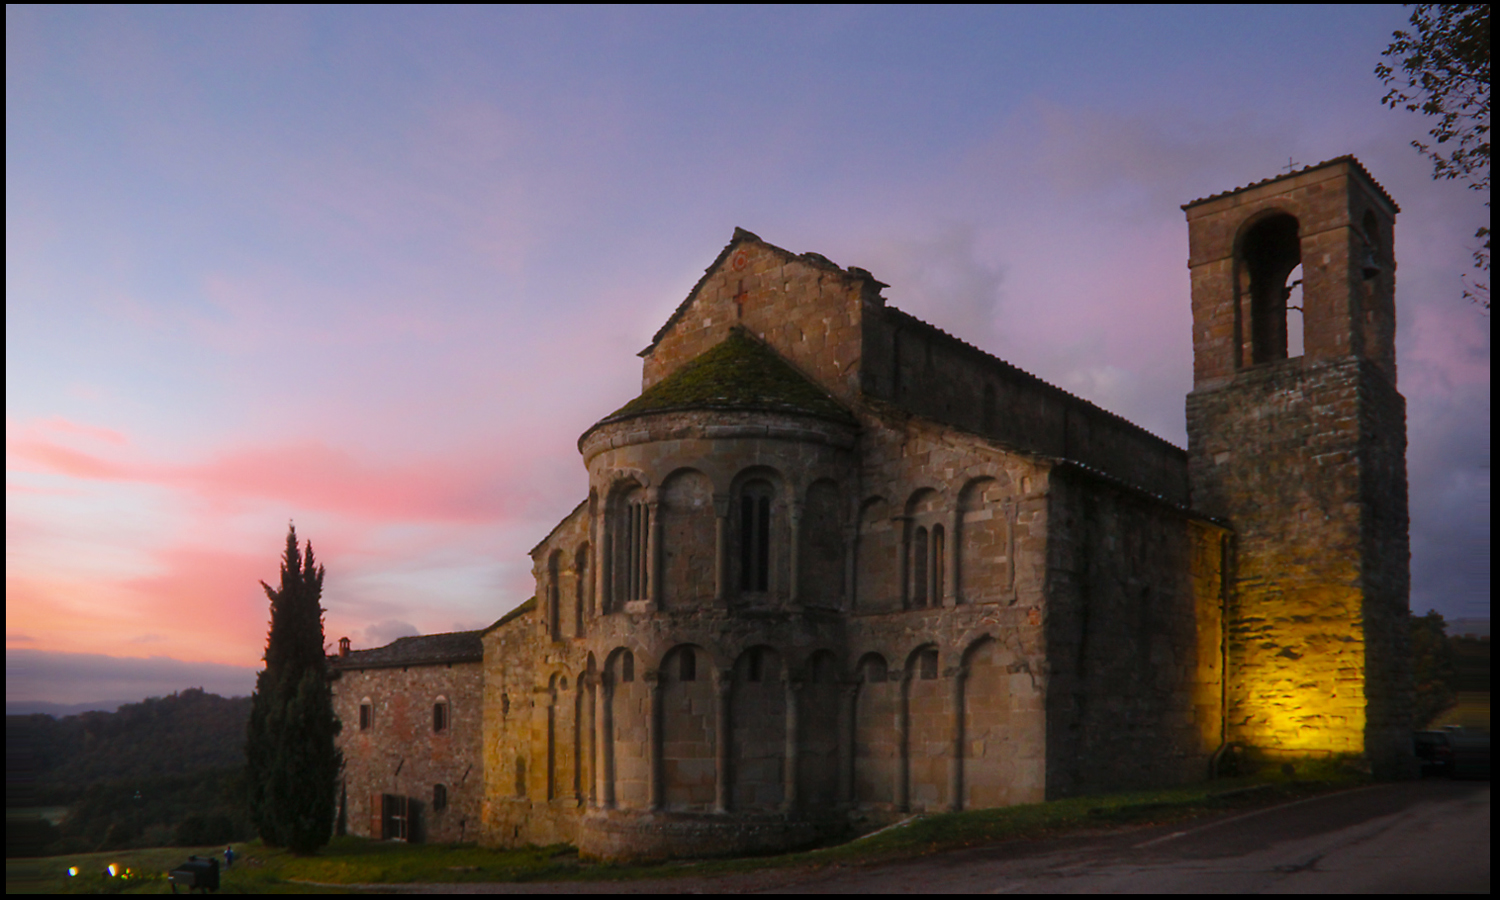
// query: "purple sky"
[[375, 270]]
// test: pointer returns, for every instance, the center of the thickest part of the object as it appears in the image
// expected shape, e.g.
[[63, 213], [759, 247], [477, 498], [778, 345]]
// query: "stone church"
[[836, 566]]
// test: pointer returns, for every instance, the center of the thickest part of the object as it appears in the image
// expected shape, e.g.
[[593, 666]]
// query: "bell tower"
[[1305, 457]]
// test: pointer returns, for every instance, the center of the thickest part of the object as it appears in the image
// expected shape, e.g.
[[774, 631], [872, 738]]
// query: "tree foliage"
[[292, 762], [1443, 69], [1432, 666]]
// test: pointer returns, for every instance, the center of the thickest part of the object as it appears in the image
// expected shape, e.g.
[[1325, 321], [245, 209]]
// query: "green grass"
[[350, 861]]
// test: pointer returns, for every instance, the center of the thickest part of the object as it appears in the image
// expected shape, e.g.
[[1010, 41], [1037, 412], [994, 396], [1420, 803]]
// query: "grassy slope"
[[355, 861]]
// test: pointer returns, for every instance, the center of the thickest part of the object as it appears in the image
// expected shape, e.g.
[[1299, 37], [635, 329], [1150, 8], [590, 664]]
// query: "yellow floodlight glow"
[[113, 870]]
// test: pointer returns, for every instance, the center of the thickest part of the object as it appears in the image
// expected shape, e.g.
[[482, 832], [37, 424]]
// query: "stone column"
[[847, 711], [950, 559], [903, 525], [721, 550], [654, 591], [793, 750], [794, 590], [604, 565], [653, 740], [725, 687], [956, 757], [903, 743], [591, 704], [604, 742], [851, 550]]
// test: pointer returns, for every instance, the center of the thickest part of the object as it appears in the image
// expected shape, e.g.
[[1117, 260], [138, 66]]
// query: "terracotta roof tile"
[[1327, 162], [427, 649]]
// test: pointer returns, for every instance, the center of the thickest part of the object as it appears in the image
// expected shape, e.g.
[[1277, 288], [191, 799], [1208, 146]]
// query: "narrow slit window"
[[937, 565], [755, 537]]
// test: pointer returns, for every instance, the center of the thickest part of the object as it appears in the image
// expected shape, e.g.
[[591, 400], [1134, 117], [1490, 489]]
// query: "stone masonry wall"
[[1133, 635], [1277, 452], [805, 307], [919, 368], [400, 753], [1386, 576]]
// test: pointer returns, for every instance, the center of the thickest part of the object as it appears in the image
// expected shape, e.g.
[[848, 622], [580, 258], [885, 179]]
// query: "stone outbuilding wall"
[[412, 720]]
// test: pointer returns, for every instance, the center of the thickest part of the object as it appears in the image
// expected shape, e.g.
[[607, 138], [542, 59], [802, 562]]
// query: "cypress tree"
[[292, 764]]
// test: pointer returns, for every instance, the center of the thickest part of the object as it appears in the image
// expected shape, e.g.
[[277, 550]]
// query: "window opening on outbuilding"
[[439, 797], [755, 537], [366, 714], [440, 715]]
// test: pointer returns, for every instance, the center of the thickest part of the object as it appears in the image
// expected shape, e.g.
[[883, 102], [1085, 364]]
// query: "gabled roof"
[[526, 606], [426, 649], [741, 236], [1327, 162], [738, 373]]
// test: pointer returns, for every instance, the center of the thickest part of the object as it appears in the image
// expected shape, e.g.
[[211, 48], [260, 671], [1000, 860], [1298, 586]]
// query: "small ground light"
[[113, 870], [72, 871]]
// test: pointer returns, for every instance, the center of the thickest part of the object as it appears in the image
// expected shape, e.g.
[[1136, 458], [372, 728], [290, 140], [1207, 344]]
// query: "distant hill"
[[51, 761], [59, 710]]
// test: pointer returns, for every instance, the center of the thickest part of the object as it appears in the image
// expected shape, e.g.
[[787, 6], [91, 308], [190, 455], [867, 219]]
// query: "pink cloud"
[[305, 475]]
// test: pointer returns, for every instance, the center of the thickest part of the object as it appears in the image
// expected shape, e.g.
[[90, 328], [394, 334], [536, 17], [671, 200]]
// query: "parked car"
[[1434, 751]]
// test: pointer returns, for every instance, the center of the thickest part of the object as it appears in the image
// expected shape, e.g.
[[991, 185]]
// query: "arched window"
[[554, 595], [627, 666], [937, 565], [755, 536], [631, 536], [687, 665], [928, 664], [919, 568], [1269, 252], [582, 590], [754, 664], [925, 549], [440, 715]]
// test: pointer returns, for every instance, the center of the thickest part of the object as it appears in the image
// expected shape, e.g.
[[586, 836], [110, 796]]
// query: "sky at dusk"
[[374, 270]]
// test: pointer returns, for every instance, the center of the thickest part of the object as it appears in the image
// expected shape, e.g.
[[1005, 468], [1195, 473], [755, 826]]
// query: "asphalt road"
[[1430, 836]]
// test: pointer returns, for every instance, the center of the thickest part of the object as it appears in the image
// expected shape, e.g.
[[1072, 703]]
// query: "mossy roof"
[[739, 373]]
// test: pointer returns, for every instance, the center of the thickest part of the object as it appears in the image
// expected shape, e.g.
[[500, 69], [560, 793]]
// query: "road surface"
[[1430, 836]]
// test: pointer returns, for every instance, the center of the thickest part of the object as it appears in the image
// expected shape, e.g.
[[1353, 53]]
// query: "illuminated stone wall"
[[1304, 457]]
